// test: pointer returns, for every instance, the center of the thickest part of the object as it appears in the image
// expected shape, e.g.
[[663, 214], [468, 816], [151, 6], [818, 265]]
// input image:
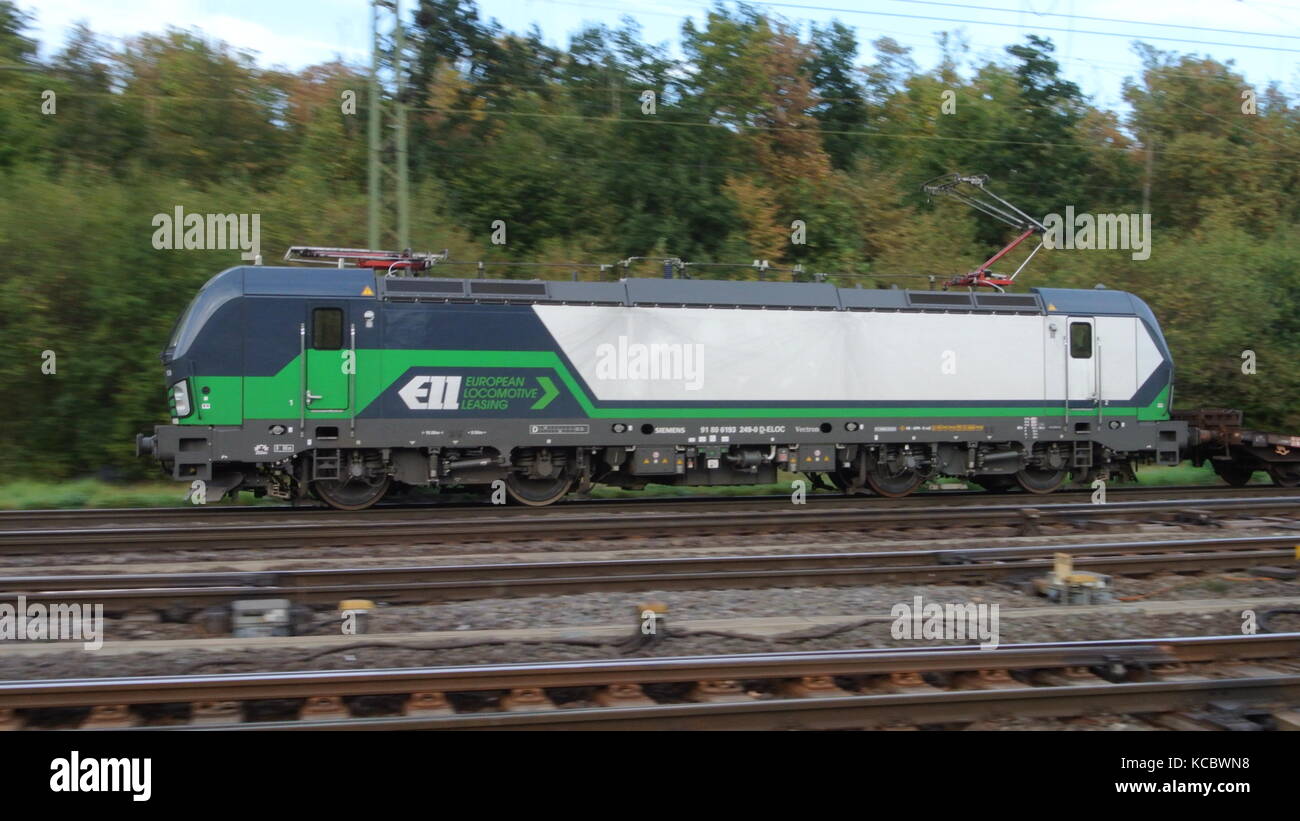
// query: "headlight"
[[181, 397]]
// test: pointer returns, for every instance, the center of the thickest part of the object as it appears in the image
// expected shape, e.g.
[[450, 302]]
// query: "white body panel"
[[1119, 337], [708, 354]]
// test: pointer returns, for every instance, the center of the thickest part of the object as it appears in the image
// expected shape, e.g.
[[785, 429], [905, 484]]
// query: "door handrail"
[[352, 382], [302, 379]]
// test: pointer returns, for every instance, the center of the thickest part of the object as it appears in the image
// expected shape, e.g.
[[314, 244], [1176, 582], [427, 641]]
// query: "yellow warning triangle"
[[367, 292]]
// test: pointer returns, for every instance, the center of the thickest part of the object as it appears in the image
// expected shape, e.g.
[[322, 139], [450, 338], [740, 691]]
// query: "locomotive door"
[[1081, 369], [330, 354]]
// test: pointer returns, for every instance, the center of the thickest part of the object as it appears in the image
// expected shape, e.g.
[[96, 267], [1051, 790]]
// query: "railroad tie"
[[1065, 677], [623, 695], [526, 699], [1029, 521], [985, 680], [1245, 669], [106, 716], [319, 707], [216, 712], [717, 691], [811, 687], [1287, 720], [427, 704], [1182, 722], [908, 683], [1173, 671]]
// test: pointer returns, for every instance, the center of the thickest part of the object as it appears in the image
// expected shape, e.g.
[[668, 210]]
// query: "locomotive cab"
[[254, 362], [196, 336]]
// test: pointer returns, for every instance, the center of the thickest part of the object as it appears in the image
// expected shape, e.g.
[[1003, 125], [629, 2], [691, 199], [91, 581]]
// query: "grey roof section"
[[286, 281], [411, 287], [731, 292], [351, 282], [601, 293], [1088, 302], [704, 293], [892, 299]]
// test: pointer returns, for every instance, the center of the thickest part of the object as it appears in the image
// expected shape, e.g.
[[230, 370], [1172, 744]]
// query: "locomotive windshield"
[[217, 292], [172, 338]]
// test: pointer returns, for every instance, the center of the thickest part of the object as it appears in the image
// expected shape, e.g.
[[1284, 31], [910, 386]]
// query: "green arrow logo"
[[549, 392]]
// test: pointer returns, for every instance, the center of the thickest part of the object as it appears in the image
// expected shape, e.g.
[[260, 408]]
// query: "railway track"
[[96, 517], [495, 524], [437, 583], [790, 690]]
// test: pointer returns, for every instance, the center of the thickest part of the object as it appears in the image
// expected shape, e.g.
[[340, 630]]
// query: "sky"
[[1095, 53]]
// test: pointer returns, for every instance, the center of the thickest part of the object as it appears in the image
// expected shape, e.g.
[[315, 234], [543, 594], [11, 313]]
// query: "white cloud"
[[295, 35]]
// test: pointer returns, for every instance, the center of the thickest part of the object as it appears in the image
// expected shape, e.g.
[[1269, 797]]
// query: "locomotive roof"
[[360, 282]]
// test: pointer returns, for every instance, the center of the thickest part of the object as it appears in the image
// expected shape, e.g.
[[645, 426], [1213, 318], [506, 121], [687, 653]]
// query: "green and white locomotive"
[[339, 383]]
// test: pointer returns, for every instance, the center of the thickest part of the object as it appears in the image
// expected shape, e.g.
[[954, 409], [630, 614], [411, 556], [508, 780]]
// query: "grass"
[[1185, 474], [93, 493]]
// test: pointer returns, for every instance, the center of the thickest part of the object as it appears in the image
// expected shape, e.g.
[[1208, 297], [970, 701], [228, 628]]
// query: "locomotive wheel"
[[351, 493], [1041, 480], [1235, 475], [893, 485], [537, 492], [995, 483], [1285, 475]]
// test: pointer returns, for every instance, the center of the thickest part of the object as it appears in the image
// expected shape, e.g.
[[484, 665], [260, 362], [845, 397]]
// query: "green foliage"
[[1185, 474], [756, 125], [44, 495]]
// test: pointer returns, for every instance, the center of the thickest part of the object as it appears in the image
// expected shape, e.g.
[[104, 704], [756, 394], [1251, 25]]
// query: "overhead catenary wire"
[[1085, 17], [656, 121], [1089, 61], [900, 15]]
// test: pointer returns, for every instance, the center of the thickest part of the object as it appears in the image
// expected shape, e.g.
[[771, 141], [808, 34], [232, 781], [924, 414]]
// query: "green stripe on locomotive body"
[[223, 405], [1157, 411], [234, 399]]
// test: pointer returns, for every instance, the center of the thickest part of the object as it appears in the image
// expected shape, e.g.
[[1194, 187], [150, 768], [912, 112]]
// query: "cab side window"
[[327, 329], [1080, 340]]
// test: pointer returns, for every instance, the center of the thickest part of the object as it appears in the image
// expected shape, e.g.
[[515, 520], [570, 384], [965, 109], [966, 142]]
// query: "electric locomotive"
[[342, 383]]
